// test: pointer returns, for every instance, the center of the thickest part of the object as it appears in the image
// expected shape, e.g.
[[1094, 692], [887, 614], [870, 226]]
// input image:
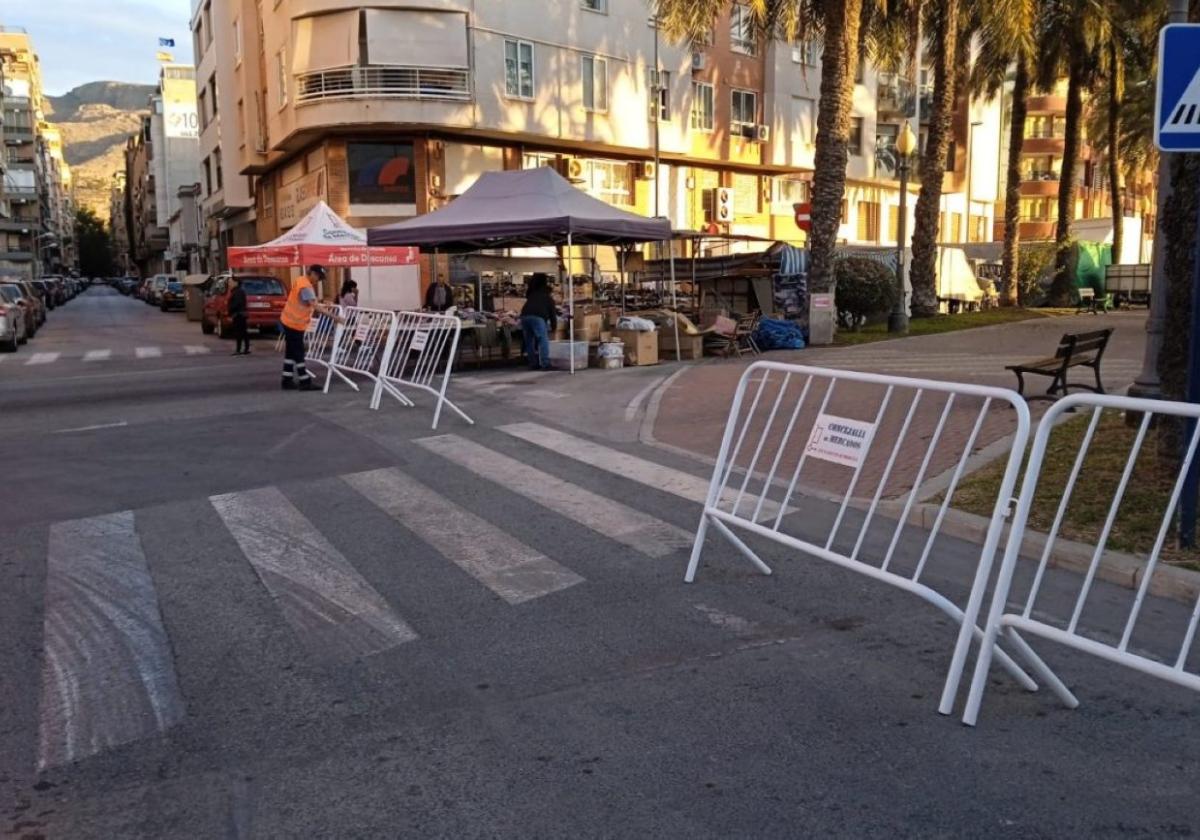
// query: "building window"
[[596, 5], [241, 122], [659, 84], [532, 160], [595, 83], [743, 111], [702, 106], [806, 119], [977, 229], [208, 36], [741, 30], [894, 223], [217, 166], [806, 53], [212, 92], [518, 69], [790, 191], [202, 109], [237, 39], [207, 177], [609, 181], [856, 136], [951, 152], [281, 76], [745, 194]]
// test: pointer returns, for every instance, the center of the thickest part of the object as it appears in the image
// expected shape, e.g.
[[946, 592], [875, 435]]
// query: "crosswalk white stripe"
[[43, 358], [328, 603], [619, 522], [195, 349], [97, 355], [147, 352], [499, 561], [107, 674], [659, 477]]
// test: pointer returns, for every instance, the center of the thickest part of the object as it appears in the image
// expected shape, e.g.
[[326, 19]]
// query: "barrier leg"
[[1042, 669], [741, 546], [697, 548]]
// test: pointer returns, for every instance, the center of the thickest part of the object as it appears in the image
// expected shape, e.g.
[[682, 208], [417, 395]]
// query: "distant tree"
[[95, 246]]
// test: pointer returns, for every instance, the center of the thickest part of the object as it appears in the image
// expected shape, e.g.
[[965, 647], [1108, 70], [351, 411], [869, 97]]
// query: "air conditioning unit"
[[723, 201], [574, 169], [699, 60], [762, 133], [646, 170]]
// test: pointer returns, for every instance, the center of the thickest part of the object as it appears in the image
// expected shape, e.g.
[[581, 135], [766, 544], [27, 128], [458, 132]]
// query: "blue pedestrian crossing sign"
[[1177, 112]]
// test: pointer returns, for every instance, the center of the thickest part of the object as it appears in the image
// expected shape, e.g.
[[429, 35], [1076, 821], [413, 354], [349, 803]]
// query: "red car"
[[265, 298]]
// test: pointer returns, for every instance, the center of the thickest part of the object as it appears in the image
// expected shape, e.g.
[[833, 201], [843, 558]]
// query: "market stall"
[[523, 208]]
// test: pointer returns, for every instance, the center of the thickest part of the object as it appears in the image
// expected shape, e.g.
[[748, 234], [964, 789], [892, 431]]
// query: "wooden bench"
[[1074, 350], [1089, 302]]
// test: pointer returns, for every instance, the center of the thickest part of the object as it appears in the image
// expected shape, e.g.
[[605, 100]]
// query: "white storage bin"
[[560, 354]]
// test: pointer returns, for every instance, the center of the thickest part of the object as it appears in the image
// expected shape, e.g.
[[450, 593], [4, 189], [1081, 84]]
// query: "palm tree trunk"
[[838, 67], [933, 163], [1115, 85], [1010, 294], [1062, 291]]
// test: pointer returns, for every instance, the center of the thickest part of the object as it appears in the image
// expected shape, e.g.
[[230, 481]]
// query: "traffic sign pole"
[[1191, 485]]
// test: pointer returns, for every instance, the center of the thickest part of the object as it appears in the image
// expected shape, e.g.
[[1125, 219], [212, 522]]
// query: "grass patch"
[[1146, 496], [946, 323]]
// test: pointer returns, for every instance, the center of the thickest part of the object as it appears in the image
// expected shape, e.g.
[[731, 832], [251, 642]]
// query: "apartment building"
[[57, 200], [160, 160], [1041, 166], [21, 229], [226, 195], [118, 215]]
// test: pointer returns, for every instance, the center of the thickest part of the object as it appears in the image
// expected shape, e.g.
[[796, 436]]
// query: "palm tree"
[[1006, 41], [839, 24], [944, 21]]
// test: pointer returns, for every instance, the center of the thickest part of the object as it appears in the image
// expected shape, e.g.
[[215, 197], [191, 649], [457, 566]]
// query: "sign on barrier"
[[829, 463], [423, 353], [1157, 651], [362, 345]]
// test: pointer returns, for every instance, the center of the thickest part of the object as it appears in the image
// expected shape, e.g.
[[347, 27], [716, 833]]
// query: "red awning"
[[320, 238]]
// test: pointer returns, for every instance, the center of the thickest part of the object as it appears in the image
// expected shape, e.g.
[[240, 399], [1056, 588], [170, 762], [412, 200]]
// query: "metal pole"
[[898, 319], [1147, 383], [571, 304], [674, 300], [1191, 485], [657, 91]]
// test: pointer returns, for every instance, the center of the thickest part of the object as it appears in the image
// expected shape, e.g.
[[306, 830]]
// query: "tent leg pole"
[[674, 300], [571, 297]]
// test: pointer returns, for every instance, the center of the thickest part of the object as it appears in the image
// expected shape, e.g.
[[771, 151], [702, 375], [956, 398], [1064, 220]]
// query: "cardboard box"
[[690, 346], [641, 348]]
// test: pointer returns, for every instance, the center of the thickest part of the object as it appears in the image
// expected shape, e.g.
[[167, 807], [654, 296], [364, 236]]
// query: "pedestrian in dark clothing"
[[440, 296], [538, 317], [237, 313]]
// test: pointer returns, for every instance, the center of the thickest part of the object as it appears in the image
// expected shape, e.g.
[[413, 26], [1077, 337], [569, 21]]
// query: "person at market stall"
[[538, 317], [237, 313], [349, 295], [440, 296], [297, 314]]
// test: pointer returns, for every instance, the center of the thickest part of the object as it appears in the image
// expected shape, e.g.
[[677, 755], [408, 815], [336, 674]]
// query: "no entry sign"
[[803, 216]]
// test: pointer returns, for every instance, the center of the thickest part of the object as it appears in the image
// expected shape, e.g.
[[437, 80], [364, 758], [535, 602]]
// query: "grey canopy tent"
[[520, 209]]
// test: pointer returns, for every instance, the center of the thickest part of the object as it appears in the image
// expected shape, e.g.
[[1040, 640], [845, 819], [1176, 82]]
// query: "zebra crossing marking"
[[195, 349], [107, 674], [331, 607], [97, 355], [659, 477], [619, 522], [42, 358], [147, 352], [508, 567]]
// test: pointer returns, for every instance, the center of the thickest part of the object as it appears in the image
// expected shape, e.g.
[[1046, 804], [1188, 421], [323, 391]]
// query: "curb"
[[1125, 570]]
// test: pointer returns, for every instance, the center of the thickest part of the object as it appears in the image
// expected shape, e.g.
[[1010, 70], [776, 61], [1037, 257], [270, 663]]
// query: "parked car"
[[265, 298], [58, 289], [47, 293], [157, 285], [34, 296], [13, 320], [172, 296]]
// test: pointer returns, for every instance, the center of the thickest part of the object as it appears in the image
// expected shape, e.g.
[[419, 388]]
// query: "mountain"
[[95, 120]]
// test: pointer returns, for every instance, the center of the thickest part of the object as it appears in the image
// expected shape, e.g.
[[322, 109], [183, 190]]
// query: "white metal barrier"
[[422, 355], [318, 339], [1115, 642], [362, 344], [849, 437]]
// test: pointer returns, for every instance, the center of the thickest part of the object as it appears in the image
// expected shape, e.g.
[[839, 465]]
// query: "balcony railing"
[[433, 83]]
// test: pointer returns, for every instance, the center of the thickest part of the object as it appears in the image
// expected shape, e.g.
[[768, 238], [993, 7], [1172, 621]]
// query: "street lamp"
[[906, 144]]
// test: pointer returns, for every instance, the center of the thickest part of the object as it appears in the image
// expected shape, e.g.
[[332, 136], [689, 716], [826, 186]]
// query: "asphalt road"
[[230, 611]]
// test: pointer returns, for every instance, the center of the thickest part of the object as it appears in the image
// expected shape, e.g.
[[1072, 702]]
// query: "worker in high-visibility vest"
[[297, 313]]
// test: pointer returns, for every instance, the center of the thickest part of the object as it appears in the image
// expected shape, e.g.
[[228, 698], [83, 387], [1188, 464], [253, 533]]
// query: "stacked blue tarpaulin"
[[791, 282]]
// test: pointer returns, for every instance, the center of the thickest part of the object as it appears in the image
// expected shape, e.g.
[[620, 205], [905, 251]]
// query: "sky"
[[88, 41]]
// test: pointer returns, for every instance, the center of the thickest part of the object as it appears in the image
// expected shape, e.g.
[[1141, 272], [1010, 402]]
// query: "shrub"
[[864, 289], [1035, 270]]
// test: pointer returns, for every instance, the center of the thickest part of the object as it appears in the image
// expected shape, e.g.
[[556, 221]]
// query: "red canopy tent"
[[320, 238]]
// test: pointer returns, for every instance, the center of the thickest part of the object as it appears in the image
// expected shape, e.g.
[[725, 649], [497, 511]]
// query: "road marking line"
[[195, 349], [97, 355], [91, 428], [619, 522], [42, 358], [329, 605], [147, 352], [726, 621], [499, 561], [667, 479], [107, 676], [635, 404]]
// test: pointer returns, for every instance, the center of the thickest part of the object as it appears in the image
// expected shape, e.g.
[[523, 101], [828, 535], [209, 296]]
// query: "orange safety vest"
[[296, 314]]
